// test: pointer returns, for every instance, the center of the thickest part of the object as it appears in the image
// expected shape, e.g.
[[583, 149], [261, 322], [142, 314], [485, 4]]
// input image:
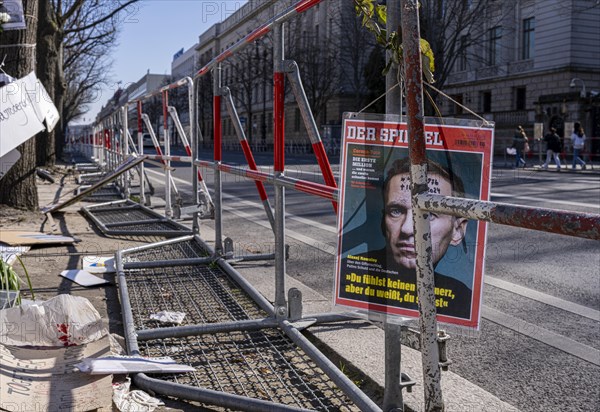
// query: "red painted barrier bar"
[[257, 33], [278, 118], [139, 116], [217, 128], [165, 103], [305, 5], [188, 150], [323, 162], [262, 193]]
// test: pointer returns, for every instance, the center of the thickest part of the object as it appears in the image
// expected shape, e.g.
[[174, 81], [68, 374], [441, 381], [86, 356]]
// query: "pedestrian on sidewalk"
[[519, 143], [553, 148], [578, 139]]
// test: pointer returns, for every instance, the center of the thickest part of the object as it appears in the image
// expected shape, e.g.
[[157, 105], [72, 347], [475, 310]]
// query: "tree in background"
[[68, 31], [245, 75], [319, 66], [17, 187], [374, 80]]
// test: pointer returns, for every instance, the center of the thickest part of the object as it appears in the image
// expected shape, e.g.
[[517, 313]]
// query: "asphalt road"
[[538, 347]]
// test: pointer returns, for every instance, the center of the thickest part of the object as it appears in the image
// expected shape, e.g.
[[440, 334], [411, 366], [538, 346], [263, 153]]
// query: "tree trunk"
[[59, 102], [18, 187], [47, 60]]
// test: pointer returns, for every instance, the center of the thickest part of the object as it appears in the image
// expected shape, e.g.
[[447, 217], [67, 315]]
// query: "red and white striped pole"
[[280, 304]]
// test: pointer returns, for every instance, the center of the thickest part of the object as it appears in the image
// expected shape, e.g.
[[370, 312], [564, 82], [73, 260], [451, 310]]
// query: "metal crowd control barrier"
[[126, 217], [165, 275]]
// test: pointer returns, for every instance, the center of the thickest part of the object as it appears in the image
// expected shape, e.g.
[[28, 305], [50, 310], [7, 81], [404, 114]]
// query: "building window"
[[520, 98], [528, 38], [461, 63], [486, 102], [495, 36], [456, 108], [297, 120]]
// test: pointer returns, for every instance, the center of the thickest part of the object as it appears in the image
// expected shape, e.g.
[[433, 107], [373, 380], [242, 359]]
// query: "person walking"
[[578, 139], [553, 148], [519, 143]]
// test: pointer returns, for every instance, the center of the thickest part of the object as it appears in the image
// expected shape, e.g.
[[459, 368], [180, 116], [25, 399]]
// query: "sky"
[[151, 33]]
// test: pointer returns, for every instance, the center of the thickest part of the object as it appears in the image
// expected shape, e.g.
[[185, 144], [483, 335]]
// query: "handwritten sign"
[[19, 120]]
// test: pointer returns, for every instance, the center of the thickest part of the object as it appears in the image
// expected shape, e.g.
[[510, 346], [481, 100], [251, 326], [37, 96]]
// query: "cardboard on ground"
[[47, 380], [23, 238], [83, 278]]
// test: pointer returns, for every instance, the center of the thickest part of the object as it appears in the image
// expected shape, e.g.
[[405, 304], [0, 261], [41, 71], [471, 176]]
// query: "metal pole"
[[141, 152], [392, 398], [125, 145], [413, 77], [168, 205], [218, 200], [279, 166], [194, 151]]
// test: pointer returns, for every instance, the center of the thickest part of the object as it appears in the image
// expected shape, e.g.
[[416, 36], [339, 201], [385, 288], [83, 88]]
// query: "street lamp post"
[[573, 83]]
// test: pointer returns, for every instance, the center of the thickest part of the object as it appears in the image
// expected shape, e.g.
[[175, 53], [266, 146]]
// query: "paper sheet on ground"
[[131, 364], [83, 278], [98, 264], [46, 379], [63, 320]]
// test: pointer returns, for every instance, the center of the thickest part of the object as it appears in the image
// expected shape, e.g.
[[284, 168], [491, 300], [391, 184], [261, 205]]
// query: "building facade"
[[184, 63], [331, 60], [538, 61]]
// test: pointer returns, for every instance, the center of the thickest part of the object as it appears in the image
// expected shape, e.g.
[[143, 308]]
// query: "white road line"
[[539, 199], [545, 336], [544, 298]]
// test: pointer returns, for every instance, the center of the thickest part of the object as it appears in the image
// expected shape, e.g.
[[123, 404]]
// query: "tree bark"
[[47, 58], [18, 187]]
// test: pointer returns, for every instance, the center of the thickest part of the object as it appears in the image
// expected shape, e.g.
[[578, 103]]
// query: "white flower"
[[4, 18]]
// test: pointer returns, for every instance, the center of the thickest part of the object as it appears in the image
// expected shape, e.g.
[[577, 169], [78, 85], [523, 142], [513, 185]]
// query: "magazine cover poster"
[[376, 258]]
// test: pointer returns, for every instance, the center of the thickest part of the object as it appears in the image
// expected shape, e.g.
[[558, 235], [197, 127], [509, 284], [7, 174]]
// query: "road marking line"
[[545, 336], [544, 298], [539, 199]]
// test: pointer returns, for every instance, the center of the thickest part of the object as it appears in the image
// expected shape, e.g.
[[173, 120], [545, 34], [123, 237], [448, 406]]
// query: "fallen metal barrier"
[[126, 217], [246, 358]]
